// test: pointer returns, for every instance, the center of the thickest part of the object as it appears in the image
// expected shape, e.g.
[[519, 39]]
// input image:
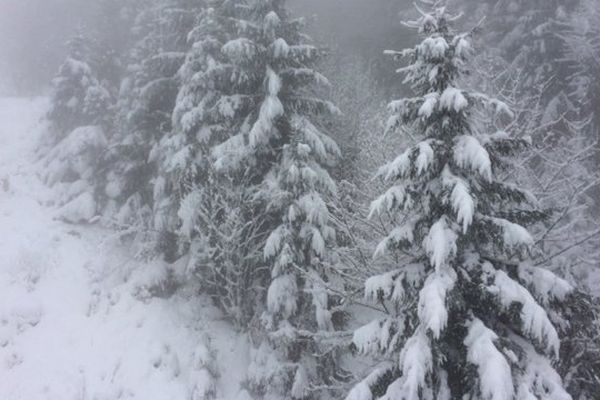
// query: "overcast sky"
[[33, 32]]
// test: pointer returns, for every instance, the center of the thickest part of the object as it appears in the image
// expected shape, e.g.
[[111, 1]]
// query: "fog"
[[32, 36], [33, 33], [199, 202]]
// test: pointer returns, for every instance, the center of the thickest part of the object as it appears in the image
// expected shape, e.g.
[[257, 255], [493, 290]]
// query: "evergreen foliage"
[[469, 314], [77, 97], [280, 151], [146, 102], [79, 116], [205, 134]]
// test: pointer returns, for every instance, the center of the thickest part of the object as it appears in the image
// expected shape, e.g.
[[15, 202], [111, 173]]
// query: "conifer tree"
[[77, 97], [281, 153], [468, 312], [549, 48], [199, 120], [209, 210], [146, 103], [78, 120]]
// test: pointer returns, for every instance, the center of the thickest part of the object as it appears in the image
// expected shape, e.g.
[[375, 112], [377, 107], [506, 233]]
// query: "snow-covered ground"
[[76, 322]]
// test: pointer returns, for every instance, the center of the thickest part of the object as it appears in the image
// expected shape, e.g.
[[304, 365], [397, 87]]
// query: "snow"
[[495, 378], [79, 210], [274, 242], [395, 197], [535, 322], [391, 284], [281, 296], [425, 158], [323, 146], [314, 208], [514, 235], [470, 154], [434, 47], [374, 337], [73, 321], [239, 49], [317, 242], [380, 286], [398, 168], [462, 46], [300, 387], [453, 99], [544, 284], [270, 109], [432, 301], [280, 48], [539, 380], [401, 234], [428, 106], [460, 198], [272, 20], [362, 391], [440, 244], [416, 362], [74, 153]]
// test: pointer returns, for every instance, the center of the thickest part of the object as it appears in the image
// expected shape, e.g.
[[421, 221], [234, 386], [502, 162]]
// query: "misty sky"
[[33, 32]]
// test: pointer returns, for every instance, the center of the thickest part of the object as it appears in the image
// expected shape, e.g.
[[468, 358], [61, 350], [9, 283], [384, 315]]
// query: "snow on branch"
[[391, 285], [534, 320], [395, 197], [416, 363], [470, 154], [440, 244], [539, 380], [514, 236], [400, 236], [398, 168], [432, 310], [453, 99], [363, 391], [494, 372], [377, 337], [425, 157], [240, 50], [545, 284], [429, 104], [270, 110], [281, 296], [460, 198]]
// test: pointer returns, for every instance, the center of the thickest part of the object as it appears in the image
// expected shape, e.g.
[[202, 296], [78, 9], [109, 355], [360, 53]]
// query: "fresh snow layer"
[[76, 317]]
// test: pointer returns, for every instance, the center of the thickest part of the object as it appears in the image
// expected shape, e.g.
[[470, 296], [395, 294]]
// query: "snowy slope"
[[76, 320]]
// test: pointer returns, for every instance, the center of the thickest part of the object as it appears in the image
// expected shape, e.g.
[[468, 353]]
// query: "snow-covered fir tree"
[[209, 210], [146, 103], [79, 117], [282, 154], [77, 97], [188, 142], [469, 315], [546, 63]]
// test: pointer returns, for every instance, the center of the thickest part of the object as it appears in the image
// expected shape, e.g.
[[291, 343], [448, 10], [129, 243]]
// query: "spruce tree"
[[467, 310], [146, 103], [78, 121], [199, 120], [209, 210], [281, 154], [77, 97], [548, 47]]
